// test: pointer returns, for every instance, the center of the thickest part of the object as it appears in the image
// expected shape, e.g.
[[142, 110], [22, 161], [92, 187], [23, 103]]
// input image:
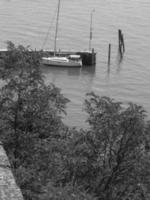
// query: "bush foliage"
[[108, 161]]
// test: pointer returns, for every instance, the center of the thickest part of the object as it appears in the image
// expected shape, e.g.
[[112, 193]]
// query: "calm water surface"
[[27, 22]]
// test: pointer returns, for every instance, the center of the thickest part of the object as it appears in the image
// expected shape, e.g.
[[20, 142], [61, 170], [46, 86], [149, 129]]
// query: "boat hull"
[[59, 63]]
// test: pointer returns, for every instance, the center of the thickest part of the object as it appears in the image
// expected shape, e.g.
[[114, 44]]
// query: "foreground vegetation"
[[109, 161]]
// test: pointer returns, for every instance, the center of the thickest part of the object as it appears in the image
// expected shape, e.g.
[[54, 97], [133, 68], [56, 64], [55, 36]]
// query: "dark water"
[[28, 21]]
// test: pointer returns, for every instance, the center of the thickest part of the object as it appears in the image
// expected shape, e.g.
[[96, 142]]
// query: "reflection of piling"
[[109, 54], [121, 45]]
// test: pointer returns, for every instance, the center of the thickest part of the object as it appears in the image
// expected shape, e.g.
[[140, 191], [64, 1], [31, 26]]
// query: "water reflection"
[[89, 69], [85, 70], [119, 61]]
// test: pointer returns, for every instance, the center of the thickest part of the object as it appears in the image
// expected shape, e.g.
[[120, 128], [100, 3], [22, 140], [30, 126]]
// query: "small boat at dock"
[[70, 61]]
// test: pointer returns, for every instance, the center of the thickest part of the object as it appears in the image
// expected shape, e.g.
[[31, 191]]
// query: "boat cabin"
[[74, 57]]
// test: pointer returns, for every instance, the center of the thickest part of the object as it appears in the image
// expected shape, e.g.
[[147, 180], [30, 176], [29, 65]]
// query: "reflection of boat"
[[59, 61]]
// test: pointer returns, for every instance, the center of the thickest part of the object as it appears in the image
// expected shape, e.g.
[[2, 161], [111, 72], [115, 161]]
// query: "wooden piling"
[[109, 53], [119, 36], [119, 42], [121, 45]]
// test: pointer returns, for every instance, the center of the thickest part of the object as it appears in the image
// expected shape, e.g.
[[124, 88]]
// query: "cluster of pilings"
[[121, 46]]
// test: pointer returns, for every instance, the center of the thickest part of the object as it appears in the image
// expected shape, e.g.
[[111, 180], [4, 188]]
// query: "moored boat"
[[70, 61], [61, 61]]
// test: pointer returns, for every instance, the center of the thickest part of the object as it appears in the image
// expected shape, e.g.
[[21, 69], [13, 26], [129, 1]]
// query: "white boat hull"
[[60, 62]]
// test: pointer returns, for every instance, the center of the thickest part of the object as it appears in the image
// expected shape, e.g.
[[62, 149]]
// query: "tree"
[[20, 58], [110, 159], [66, 193], [31, 114], [117, 136]]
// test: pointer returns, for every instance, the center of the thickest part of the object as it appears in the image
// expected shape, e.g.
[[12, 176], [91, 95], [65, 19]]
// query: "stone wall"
[[8, 188]]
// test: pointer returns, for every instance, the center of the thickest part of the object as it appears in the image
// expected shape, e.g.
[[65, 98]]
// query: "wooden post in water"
[[109, 54], [121, 45], [119, 42]]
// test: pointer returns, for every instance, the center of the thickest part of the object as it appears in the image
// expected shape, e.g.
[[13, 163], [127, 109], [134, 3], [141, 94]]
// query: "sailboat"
[[59, 61]]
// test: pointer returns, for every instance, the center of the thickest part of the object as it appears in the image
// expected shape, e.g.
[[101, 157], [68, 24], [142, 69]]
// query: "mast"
[[91, 28], [56, 30]]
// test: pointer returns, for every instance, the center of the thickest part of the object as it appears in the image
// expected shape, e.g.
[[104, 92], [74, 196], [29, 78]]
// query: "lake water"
[[27, 22]]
